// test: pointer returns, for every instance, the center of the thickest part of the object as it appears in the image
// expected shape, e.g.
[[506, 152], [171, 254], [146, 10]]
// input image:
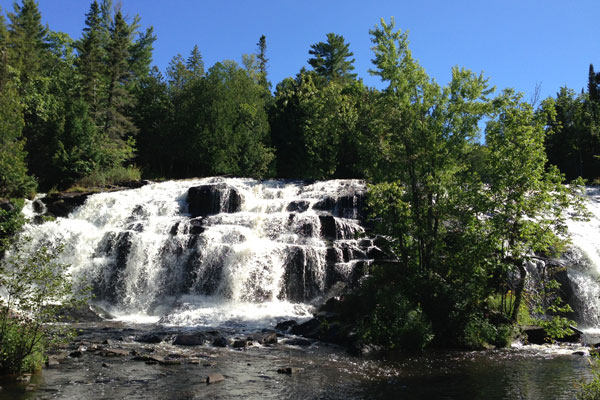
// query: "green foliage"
[[33, 285], [590, 390], [108, 177], [332, 59], [11, 221]]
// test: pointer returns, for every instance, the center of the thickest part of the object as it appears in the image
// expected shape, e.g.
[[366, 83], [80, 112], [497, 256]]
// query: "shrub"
[[33, 285], [113, 176]]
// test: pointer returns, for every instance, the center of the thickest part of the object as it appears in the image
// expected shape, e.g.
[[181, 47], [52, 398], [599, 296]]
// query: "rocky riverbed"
[[111, 360]]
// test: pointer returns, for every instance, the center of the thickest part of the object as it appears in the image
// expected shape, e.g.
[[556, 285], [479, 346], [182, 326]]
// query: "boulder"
[[151, 338], [192, 339], [220, 341], [308, 329], [328, 227], [286, 325], [298, 206], [62, 204], [213, 199], [288, 370]]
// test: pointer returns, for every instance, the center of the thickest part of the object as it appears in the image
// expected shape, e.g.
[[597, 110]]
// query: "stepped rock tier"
[[215, 250]]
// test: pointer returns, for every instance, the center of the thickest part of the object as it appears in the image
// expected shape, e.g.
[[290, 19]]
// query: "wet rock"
[[213, 199], [76, 354], [298, 342], [298, 206], [38, 206], [309, 329], [62, 204], [240, 344], [150, 338], [360, 348], [109, 342], [115, 352], [538, 335], [196, 226], [578, 353], [192, 339], [376, 253], [328, 227], [214, 378], [105, 365], [289, 370], [23, 378], [268, 337], [220, 342], [286, 325]]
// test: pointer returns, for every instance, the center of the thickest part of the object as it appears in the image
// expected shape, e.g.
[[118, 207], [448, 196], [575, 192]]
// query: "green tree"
[[90, 59], [332, 59]]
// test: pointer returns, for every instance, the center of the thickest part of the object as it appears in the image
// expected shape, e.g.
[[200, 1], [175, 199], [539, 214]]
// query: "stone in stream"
[[213, 199], [240, 343], [267, 337], [191, 339], [150, 338], [214, 378], [220, 342], [115, 352], [289, 370], [286, 325]]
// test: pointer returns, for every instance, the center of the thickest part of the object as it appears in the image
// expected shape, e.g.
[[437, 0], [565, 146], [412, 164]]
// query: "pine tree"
[[194, 63], [90, 60], [262, 62], [27, 45], [332, 59]]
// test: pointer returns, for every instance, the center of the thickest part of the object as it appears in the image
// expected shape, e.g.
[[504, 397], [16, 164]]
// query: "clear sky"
[[516, 43]]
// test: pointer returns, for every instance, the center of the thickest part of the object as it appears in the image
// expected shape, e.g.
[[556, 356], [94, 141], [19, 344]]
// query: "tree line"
[[463, 217]]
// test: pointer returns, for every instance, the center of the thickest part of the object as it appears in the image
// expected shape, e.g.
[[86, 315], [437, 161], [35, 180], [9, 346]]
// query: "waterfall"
[[213, 251]]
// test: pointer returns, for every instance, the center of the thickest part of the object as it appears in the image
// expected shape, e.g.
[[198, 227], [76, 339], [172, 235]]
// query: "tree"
[[310, 120], [262, 62], [459, 238], [90, 59], [332, 59], [195, 63]]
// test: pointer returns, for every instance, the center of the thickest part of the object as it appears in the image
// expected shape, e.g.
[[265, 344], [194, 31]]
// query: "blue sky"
[[516, 43]]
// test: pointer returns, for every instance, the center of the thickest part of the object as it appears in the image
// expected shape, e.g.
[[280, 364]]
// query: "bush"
[[113, 176], [591, 390], [32, 287]]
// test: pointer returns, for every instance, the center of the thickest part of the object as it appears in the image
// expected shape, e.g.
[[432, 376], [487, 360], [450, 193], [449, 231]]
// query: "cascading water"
[[214, 251], [583, 265]]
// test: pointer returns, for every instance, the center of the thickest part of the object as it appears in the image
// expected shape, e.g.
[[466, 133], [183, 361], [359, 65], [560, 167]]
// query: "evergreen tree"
[[195, 64], [332, 59], [118, 127], [90, 60], [27, 41], [262, 62]]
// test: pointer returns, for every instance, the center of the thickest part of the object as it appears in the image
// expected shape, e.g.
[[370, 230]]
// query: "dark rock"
[[76, 354], [105, 365], [326, 204], [328, 227], [192, 339], [213, 199], [286, 325], [220, 342], [214, 378], [151, 338], [196, 226], [239, 344], [376, 253], [579, 353], [308, 329], [298, 342], [82, 313], [360, 348], [289, 370], [38, 206], [62, 204], [301, 274], [298, 206], [538, 335]]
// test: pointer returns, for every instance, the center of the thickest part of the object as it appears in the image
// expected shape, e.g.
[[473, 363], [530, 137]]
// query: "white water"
[[583, 261], [136, 249]]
